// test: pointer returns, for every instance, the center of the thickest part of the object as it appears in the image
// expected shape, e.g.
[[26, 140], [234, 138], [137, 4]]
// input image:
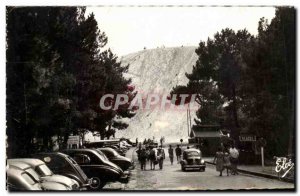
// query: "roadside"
[[257, 170]]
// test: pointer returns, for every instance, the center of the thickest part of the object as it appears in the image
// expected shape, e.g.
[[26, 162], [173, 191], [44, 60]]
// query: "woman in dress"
[[219, 160], [227, 162]]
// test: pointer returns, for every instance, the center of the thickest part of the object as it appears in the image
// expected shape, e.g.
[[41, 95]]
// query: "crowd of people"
[[227, 159], [157, 156]]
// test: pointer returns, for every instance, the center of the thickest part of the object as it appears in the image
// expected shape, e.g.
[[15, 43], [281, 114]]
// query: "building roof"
[[205, 134], [205, 131]]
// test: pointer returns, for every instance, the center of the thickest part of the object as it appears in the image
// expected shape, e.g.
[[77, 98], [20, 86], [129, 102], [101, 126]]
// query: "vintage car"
[[63, 164], [97, 167], [123, 162], [19, 180], [46, 174], [20, 177], [192, 159]]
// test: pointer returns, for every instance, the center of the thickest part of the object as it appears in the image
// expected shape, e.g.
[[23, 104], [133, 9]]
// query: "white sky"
[[130, 29]]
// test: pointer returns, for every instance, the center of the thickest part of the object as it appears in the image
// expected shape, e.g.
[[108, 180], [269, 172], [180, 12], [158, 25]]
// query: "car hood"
[[193, 157], [60, 179], [121, 158], [54, 186], [113, 165]]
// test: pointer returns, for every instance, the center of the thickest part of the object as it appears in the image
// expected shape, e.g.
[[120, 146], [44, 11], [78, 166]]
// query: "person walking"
[[234, 155], [152, 158], [143, 159], [226, 162], [160, 157], [171, 154], [178, 153], [138, 152], [219, 160]]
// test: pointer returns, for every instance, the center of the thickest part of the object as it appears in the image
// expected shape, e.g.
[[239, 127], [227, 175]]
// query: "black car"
[[97, 166], [192, 159], [63, 164], [123, 162]]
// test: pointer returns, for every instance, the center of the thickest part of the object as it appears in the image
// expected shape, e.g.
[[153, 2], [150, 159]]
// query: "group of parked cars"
[[71, 169]]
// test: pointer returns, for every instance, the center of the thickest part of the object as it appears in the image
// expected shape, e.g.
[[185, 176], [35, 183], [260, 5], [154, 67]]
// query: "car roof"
[[19, 165], [14, 171], [51, 154], [106, 148], [79, 150], [30, 162], [192, 150]]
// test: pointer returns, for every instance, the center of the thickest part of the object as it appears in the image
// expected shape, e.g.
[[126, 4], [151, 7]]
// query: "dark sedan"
[[63, 164], [123, 162], [97, 167], [192, 159]]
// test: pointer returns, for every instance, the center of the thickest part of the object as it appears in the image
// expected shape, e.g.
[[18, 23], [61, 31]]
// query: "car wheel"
[[96, 183], [102, 184]]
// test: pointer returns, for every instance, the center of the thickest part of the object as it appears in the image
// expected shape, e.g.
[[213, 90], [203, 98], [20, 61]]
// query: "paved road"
[[172, 178]]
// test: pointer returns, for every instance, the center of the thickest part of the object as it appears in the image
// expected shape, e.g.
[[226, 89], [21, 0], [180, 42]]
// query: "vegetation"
[[57, 71], [247, 83]]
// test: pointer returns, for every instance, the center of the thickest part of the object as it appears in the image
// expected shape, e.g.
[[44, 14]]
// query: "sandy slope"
[[158, 70]]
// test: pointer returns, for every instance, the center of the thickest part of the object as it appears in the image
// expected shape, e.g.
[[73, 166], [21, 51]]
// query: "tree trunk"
[[235, 132]]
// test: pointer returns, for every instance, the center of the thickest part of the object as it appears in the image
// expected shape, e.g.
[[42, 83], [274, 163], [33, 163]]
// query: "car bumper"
[[194, 166], [125, 177]]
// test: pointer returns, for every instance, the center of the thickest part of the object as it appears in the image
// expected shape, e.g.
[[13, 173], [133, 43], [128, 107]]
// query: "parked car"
[[121, 151], [46, 174], [19, 180], [63, 164], [192, 159], [123, 162], [125, 144], [96, 166], [20, 177]]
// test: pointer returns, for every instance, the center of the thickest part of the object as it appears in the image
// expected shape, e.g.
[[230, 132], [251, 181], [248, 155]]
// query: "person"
[[143, 158], [234, 155], [152, 158], [178, 153], [160, 157], [171, 154], [138, 152], [226, 162], [219, 160]]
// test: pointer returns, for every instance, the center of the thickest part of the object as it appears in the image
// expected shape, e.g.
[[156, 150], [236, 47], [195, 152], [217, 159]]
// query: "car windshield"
[[28, 179], [193, 153], [43, 170], [72, 160], [102, 155], [33, 174], [110, 152]]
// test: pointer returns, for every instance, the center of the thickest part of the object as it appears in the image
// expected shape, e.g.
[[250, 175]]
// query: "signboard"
[[247, 138], [73, 139]]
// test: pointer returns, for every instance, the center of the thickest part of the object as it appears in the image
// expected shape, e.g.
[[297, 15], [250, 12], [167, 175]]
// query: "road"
[[172, 178]]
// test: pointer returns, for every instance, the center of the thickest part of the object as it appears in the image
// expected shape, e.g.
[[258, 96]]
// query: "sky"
[[130, 29]]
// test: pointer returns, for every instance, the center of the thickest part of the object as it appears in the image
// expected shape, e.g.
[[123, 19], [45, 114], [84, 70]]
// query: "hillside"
[[158, 70]]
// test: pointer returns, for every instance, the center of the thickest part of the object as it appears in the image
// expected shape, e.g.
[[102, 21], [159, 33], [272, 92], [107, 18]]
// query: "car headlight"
[[76, 183], [202, 161]]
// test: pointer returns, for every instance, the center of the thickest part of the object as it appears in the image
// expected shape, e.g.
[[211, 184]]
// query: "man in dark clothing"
[[152, 158], [143, 158], [171, 154], [138, 152], [160, 157], [178, 153]]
